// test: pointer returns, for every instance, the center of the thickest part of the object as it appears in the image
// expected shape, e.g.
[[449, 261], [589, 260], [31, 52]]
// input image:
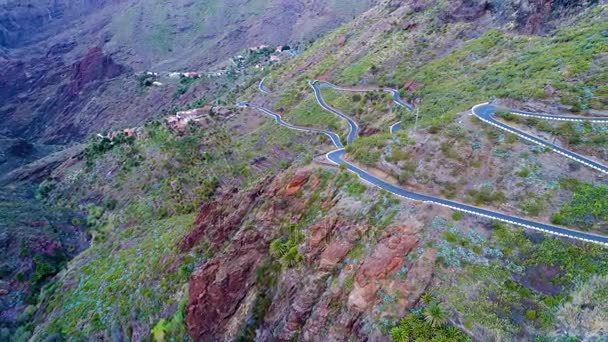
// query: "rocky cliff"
[[329, 292]]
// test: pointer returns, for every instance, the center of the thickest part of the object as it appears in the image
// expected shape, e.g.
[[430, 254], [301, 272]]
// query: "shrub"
[[531, 315], [523, 173], [533, 206], [43, 270], [435, 315], [95, 213], [414, 328], [292, 257], [588, 206], [44, 189], [451, 237], [485, 195], [457, 216], [356, 188]]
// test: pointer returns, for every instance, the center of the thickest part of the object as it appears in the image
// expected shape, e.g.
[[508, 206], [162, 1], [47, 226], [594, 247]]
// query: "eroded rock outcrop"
[[409, 290], [388, 256], [218, 287], [94, 66], [217, 220]]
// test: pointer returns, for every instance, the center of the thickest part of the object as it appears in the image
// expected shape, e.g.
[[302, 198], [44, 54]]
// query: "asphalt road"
[[486, 113], [261, 86]]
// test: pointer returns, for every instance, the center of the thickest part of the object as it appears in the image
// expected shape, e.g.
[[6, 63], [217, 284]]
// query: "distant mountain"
[[68, 66]]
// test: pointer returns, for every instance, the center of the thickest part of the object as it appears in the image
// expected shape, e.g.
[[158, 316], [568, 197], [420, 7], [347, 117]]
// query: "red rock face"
[[387, 257], [218, 288], [304, 300], [94, 66], [298, 182], [319, 232], [217, 220], [367, 131], [333, 254], [419, 276], [215, 292], [411, 86]]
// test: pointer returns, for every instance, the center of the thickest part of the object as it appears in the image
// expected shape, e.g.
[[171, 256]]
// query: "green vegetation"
[[116, 284], [585, 314], [266, 277], [285, 249], [184, 85], [174, 327], [370, 109], [498, 64], [587, 208], [352, 74], [368, 150], [415, 327], [309, 113], [486, 195], [134, 269], [125, 144], [435, 315], [457, 216], [356, 188], [44, 189], [526, 277]]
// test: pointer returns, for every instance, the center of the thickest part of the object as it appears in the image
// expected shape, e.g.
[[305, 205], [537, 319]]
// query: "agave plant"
[[435, 315]]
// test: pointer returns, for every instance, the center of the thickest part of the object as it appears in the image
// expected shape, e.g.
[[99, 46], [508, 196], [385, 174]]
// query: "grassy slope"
[[134, 275]]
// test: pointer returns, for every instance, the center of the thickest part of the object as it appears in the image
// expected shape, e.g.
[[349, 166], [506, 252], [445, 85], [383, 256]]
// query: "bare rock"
[[298, 181], [218, 219], [94, 66], [334, 253], [387, 257], [320, 231], [410, 290], [215, 292], [302, 304]]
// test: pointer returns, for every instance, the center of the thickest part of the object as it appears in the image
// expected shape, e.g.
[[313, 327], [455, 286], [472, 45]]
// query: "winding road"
[[262, 88], [485, 112]]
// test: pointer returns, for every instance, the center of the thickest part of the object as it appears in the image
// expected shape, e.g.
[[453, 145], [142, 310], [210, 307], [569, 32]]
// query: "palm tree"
[[435, 315], [427, 298]]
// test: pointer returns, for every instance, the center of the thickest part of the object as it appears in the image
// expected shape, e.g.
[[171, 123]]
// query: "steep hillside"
[[219, 224]]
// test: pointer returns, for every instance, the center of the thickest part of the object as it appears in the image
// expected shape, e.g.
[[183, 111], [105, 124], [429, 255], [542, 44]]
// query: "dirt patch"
[[540, 278]]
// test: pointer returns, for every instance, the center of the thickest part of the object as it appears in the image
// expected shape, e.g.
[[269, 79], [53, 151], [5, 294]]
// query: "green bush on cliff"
[[414, 327], [174, 327]]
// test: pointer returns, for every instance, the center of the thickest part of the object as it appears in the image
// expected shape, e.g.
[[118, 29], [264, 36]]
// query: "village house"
[[191, 74], [180, 120]]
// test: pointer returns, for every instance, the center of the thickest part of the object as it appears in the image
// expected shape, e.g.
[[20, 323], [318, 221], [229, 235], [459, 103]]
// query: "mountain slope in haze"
[[69, 66]]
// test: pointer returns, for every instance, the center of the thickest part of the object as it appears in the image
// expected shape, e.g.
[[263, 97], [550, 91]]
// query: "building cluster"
[[187, 74], [179, 122], [135, 132]]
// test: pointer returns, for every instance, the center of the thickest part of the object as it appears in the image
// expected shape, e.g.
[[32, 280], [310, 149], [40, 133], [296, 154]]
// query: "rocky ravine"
[[329, 295]]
